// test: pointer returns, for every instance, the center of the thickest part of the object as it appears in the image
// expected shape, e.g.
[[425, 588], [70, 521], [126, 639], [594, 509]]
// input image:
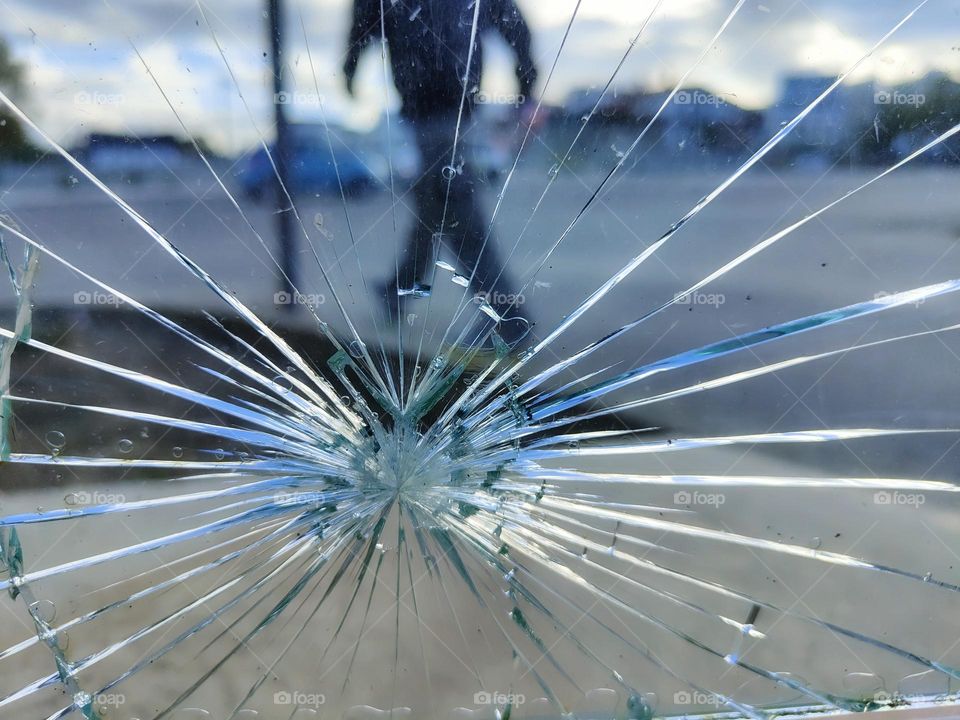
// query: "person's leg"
[[414, 262], [480, 257], [478, 254], [453, 202]]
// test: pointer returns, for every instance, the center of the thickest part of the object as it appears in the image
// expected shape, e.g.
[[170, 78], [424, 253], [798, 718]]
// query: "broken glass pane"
[[586, 359]]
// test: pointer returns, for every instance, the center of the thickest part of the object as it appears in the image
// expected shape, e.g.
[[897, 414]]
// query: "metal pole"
[[282, 152]]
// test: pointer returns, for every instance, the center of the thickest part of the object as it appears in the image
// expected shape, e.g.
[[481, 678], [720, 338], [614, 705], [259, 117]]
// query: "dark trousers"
[[464, 224]]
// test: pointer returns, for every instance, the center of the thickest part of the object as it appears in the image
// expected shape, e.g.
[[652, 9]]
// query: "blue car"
[[311, 168]]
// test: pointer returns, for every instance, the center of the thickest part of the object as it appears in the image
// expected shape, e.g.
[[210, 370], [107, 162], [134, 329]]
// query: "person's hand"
[[349, 71]]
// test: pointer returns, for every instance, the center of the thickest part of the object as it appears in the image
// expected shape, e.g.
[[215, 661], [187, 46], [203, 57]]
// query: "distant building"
[[709, 123], [832, 129], [865, 123]]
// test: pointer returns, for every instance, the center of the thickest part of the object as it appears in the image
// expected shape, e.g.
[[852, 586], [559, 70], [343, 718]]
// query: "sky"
[[86, 61]]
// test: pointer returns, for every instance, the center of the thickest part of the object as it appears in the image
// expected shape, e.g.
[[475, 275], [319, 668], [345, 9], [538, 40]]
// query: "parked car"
[[312, 168], [131, 158]]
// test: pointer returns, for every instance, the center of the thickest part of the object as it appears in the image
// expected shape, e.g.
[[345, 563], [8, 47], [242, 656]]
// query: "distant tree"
[[13, 141]]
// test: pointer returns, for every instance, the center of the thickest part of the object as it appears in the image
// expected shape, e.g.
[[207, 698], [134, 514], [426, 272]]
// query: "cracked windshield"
[[479, 359]]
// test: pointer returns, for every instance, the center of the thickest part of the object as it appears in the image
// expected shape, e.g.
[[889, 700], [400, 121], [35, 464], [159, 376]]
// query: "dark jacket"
[[429, 42]]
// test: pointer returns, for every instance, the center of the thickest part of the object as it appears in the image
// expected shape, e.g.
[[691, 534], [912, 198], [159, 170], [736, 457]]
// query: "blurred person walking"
[[429, 43]]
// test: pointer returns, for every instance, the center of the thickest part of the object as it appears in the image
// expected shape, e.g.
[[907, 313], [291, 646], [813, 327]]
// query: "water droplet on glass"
[[449, 172], [56, 439], [219, 454], [44, 611], [919, 684], [284, 382], [71, 499], [177, 451], [125, 445], [357, 348], [863, 683]]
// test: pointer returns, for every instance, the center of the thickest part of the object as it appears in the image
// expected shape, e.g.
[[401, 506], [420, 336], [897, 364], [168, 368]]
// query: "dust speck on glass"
[[478, 358]]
